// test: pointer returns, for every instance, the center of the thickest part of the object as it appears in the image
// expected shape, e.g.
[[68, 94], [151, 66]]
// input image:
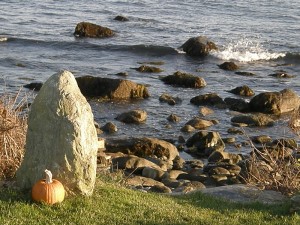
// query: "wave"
[[86, 45], [246, 51], [293, 58]]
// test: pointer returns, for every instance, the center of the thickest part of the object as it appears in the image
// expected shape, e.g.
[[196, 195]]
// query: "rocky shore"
[[156, 165]]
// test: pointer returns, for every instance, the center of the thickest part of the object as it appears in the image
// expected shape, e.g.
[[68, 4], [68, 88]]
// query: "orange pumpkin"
[[48, 190]]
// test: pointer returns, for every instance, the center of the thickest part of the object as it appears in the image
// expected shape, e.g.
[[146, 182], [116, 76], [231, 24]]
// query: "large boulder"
[[198, 46], [61, 137], [97, 87], [206, 142], [143, 147], [86, 29], [184, 80], [275, 102]]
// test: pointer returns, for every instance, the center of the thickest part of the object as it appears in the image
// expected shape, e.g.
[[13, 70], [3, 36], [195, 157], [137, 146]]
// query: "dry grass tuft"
[[273, 169], [13, 127]]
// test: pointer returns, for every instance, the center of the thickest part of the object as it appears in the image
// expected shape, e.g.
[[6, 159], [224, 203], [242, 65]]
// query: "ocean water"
[[262, 37]]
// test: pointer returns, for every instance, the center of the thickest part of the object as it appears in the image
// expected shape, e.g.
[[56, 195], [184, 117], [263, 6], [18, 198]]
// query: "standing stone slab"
[[61, 137]]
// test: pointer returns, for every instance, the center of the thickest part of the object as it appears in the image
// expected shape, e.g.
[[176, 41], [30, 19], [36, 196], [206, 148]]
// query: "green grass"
[[113, 204]]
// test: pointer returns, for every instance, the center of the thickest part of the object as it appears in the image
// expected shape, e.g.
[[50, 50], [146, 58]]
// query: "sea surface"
[[262, 37]]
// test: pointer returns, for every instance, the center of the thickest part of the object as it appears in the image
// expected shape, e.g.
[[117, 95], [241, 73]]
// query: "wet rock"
[[97, 87], [239, 105], [36, 86], [206, 142], [121, 18], [169, 99], [184, 80], [143, 147], [86, 29], [275, 102], [254, 120], [243, 91], [205, 111], [199, 123], [228, 66], [109, 128], [122, 74], [247, 74], [160, 189], [281, 74], [134, 116], [173, 118], [212, 99], [149, 69], [187, 129], [198, 46]]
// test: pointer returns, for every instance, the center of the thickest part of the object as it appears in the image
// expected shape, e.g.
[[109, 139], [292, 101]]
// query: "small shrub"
[[13, 127]]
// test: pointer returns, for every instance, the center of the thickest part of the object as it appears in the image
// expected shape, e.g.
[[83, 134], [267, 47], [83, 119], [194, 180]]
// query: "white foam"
[[245, 51], [3, 39]]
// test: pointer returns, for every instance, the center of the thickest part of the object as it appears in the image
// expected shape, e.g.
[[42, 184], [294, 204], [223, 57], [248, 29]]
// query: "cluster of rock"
[[155, 165]]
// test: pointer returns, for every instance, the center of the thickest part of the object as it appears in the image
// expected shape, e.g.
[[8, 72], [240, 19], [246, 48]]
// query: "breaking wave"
[[246, 51]]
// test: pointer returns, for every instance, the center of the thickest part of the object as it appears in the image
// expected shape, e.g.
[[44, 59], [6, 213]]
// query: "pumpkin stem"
[[48, 176]]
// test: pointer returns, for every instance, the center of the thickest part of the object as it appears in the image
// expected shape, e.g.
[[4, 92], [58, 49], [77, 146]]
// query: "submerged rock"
[[149, 69], [121, 18], [243, 91], [184, 80], [61, 137], [228, 66], [86, 29], [198, 46]]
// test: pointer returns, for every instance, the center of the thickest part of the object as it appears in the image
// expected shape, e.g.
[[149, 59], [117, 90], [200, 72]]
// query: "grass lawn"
[[114, 204]]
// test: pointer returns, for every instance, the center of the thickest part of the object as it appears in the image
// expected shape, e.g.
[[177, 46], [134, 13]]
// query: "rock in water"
[[61, 137]]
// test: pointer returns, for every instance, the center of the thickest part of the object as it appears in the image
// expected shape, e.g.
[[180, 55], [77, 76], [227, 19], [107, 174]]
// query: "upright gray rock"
[[61, 137]]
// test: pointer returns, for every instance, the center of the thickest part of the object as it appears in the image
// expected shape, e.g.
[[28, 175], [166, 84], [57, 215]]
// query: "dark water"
[[36, 41]]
